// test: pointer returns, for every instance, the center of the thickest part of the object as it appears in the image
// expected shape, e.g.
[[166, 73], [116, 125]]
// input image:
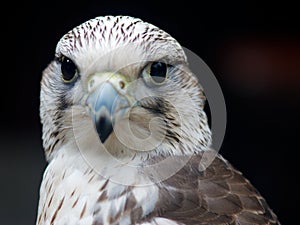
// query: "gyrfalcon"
[[126, 136]]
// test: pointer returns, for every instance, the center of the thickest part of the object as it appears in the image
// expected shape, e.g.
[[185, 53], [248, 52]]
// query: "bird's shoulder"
[[209, 190]]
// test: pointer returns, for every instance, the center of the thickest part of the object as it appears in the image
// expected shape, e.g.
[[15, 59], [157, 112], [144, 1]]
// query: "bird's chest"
[[72, 194]]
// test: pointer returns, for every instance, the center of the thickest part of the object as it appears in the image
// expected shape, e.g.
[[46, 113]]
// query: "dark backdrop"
[[252, 48]]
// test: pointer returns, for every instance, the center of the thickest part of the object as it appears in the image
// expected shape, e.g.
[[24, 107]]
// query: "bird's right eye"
[[68, 69]]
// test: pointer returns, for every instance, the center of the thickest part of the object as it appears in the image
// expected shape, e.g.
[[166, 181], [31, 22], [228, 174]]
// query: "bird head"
[[124, 84]]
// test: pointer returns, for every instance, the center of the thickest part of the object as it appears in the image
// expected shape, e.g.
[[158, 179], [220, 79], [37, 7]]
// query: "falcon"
[[126, 137]]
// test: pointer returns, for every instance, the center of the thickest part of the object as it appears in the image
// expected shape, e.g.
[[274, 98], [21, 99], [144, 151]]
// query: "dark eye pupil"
[[158, 71], [68, 69]]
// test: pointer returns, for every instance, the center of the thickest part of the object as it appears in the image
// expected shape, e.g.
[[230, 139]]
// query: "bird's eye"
[[156, 72], [68, 69]]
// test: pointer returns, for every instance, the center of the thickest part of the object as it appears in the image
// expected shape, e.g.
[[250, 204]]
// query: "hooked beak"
[[107, 101]]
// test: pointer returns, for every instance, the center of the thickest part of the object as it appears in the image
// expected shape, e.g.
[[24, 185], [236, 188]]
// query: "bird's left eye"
[[156, 72], [68, 70]]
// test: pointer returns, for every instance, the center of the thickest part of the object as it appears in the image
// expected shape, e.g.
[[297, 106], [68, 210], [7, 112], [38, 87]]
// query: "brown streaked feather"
[[218, 195]]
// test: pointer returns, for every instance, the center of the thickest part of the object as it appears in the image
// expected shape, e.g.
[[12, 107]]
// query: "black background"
[[262, 101]]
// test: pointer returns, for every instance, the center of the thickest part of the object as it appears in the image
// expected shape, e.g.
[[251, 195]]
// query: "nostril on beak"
[[121, 84]]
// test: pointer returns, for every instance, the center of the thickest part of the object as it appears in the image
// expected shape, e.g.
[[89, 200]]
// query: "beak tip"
[[104, 128]]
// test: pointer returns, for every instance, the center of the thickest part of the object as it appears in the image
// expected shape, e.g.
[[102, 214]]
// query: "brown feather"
[[218, 195]]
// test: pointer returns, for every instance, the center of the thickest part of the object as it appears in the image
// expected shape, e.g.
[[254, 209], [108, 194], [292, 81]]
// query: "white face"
[[126, 83]]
